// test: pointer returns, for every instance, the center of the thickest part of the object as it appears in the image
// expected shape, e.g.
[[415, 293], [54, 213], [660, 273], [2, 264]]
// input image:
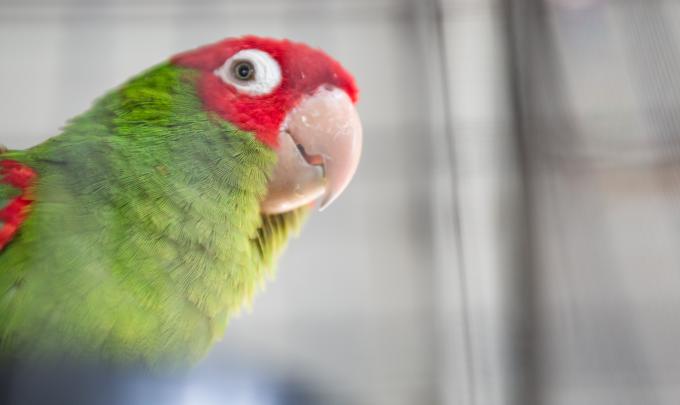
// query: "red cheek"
[[261, 115]]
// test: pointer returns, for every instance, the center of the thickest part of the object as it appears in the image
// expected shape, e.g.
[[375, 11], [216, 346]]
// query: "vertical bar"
[[493, 264], [519, 24]]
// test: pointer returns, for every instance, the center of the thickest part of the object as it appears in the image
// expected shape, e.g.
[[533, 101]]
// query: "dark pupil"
[[244, 70]]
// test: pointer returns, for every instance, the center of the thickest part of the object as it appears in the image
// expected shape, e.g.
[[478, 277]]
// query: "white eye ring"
[[266, 77]]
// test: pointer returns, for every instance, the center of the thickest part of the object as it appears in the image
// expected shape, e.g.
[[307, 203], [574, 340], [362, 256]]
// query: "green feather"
[[146, 233]]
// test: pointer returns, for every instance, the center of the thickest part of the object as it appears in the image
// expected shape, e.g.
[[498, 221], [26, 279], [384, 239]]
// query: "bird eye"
[[243, 70], [251, 71]]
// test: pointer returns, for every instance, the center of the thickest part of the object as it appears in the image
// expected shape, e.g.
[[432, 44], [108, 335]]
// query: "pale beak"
[[318, 152]]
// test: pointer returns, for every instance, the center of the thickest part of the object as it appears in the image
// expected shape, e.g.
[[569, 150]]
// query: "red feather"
[[15, 212]]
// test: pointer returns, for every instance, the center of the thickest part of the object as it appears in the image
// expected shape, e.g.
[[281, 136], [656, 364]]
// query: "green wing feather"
[[7, 193], [145, 235]]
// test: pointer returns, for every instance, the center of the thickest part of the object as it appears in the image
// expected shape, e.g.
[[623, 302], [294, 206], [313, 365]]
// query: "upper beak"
[[318, 153]]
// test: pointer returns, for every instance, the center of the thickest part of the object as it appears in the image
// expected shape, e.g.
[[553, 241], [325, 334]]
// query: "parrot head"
[[296, 100]]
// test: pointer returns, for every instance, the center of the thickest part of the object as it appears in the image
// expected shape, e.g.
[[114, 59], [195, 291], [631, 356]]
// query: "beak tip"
[[326, 200], [324, 205]]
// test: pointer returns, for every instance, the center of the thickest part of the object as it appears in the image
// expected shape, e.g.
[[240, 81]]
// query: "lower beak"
[[318, 152]]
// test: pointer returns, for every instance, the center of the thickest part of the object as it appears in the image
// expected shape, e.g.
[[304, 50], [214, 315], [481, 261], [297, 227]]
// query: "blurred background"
[[512, 235]]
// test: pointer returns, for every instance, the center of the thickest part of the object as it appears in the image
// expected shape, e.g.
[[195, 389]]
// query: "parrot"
[[135, 234]]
